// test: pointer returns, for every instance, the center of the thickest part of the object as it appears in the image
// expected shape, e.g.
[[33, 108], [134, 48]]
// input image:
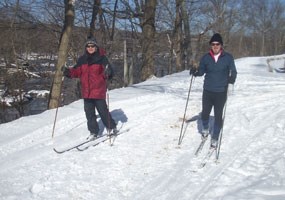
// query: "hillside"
[[145, 161]]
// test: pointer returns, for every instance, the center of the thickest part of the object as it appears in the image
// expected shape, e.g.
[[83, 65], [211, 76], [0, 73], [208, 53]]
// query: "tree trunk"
[[95, 11], [55, 92], [126, 69], [171, 54], [187, 39], [148, 34], [131, 70], [177, 35]]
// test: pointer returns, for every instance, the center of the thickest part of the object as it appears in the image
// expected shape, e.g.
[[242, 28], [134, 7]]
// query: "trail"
[[146, 161]]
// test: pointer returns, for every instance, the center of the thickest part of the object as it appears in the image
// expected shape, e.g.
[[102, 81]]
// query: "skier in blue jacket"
[[220, 70]]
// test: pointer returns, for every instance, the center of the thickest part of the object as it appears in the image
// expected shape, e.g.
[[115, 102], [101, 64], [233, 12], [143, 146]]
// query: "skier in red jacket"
[[94, 70]]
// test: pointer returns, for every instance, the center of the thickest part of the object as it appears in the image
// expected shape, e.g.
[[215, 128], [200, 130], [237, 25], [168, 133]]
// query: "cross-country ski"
[[80, 144]]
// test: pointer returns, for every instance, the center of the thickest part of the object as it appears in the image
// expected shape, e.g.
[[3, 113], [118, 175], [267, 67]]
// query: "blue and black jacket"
[[217, 74]]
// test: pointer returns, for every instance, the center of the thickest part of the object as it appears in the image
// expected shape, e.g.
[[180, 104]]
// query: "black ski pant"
[[101, 106], [216, 100]]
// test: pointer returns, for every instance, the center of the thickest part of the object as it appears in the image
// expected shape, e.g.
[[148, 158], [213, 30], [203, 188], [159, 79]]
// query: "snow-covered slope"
[[146, 161]]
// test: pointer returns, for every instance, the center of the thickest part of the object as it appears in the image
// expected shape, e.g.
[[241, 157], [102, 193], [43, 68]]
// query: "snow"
[[146, 161]]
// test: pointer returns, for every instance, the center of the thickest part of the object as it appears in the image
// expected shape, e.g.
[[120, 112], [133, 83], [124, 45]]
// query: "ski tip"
[[57, 151]]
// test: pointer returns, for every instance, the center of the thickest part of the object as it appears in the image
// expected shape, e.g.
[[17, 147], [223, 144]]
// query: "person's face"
[[91, 48], [216, 47]]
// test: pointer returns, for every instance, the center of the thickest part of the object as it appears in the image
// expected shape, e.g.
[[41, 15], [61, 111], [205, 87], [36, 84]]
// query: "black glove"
[[193, 72], [109, 72], [65, 71], [231, 80]]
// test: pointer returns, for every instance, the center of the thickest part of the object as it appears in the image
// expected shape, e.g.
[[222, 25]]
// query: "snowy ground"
[[146, 162]]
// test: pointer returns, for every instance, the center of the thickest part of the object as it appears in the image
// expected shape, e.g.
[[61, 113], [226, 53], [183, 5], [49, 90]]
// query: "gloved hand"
[[193, 72], [231, 80], [65, 71], [108, 72]]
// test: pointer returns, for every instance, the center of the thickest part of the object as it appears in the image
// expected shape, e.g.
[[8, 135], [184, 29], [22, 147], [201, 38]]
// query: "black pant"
[[101, 106], [216, 99]]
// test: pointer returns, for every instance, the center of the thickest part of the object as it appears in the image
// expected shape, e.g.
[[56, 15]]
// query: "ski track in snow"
[[146, 162], [252, 159]]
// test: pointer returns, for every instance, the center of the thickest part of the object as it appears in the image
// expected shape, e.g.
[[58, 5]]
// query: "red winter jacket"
[[90, 69]]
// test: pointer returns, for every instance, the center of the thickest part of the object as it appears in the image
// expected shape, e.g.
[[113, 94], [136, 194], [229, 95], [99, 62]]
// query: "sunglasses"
[[90, 46], [215, 44]]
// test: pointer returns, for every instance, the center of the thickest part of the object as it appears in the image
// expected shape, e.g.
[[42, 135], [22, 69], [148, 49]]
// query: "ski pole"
[[180, 136], [108, 105], [55, 117], [109, 130], [222, 129]]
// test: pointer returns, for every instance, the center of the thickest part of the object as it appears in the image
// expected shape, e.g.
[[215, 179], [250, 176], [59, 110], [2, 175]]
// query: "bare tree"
[[62, 54], [264, 18], [148, 36], [177, 34], [182, 37], [187, 50], [95, 11], [277, 34]]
